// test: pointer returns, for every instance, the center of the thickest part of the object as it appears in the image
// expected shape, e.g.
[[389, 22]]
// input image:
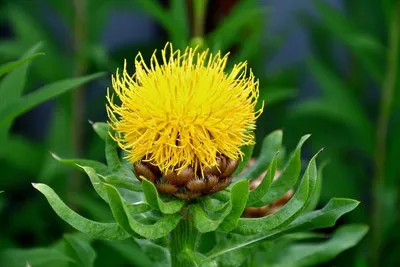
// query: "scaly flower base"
[[188, 184]]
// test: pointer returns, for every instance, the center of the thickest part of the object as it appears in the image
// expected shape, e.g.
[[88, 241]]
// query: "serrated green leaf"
[[325, 217], [261, 190], [101, 128], [270, 146], [109, 231], [47, 92], [213, 205], [205, 222], [5, 68], [312, 254], [153, 199], [239, 195], [121, 214], [288, 177], [137, 207], [247, 226], [99, 167], [83, 252]]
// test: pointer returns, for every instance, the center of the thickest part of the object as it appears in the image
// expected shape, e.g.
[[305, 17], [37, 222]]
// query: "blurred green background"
[[329, 68]]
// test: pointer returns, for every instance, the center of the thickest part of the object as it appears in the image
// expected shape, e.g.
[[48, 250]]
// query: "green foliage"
[[210, 215]]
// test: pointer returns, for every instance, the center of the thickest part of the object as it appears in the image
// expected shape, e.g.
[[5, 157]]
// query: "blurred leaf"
[[325, 217], [12, 65], [310, 254], [261, 190], [242, 15], [273, 95], [17, 148], [271, 144], [179, 14], [363, 45], [288, 177], [153, 199], [336, 94], [131, 251], [159, 255], [43, 257], [17, 107], [161, 228], [80, 250], [110, 231], [11, 88]]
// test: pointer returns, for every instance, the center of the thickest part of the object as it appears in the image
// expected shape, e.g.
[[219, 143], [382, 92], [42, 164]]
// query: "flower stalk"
[[183, 239], [388, 89]]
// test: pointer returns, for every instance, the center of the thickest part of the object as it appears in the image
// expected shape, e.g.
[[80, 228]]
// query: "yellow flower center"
[[184, 111]]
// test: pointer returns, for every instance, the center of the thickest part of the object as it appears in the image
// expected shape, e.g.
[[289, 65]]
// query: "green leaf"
[[273, 95], [312, 254], [153, 199], [248, 152], [121, 214], [101, 128], [99, 167], [112, 157], [205, 222], [323, 218], [270, 146], [286, 214], [239, 195], [122, 181], [137, 207], [82, 251], [95, 180], [47, 92], [109, 231], [288, 177], [261, 190], [314, 198], [12, 65], [213, 205]]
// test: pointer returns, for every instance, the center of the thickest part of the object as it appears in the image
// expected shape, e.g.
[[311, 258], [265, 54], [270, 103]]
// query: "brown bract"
[[188, 184]]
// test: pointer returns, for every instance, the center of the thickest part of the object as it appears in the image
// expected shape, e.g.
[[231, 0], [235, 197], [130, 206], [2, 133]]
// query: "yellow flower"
[[184, 111]]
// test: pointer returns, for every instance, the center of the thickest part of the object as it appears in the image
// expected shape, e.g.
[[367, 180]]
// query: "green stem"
[[199, 10], [184, 237], [388, 89], [78, 97]]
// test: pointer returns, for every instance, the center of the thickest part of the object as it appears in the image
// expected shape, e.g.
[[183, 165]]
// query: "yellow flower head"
[[184, 111]]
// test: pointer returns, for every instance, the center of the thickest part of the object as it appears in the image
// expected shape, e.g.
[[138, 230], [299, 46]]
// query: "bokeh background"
[[329, 68]]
